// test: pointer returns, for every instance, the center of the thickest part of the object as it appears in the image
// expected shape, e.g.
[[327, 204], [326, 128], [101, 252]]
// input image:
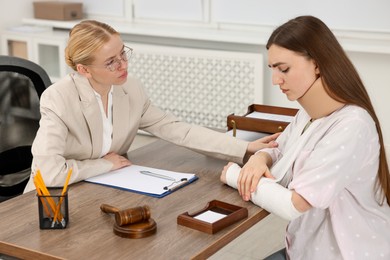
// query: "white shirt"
[[335, 171], [107, 122]]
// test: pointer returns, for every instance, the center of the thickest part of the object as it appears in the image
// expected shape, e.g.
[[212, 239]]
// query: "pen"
[[157, 175]]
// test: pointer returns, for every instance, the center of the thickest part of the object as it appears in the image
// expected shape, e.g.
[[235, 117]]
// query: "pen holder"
[[53, 210]]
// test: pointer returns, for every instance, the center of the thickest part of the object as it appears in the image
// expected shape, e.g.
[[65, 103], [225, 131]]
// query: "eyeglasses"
[[115, 63]]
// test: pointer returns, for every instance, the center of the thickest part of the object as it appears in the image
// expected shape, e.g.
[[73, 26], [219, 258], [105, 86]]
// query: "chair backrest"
[[21, 84], [33, 71]]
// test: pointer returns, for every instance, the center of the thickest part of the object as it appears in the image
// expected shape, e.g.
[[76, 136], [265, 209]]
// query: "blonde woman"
[[90, 117]]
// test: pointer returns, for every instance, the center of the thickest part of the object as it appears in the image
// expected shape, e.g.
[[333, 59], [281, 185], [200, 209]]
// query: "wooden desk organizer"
[[260, 125], [233, 214]]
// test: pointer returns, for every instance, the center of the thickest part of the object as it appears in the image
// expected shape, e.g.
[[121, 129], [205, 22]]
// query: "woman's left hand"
[[264, 142], [252, 172], [223, 174]]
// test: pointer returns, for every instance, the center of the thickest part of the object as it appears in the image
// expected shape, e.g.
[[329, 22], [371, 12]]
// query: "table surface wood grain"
[[89, 234]]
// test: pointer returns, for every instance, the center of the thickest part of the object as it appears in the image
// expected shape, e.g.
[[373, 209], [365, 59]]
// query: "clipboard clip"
[[181, 182]]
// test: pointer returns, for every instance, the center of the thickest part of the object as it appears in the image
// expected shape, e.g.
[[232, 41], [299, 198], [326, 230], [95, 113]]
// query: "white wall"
[[345, 14], [12, 12]]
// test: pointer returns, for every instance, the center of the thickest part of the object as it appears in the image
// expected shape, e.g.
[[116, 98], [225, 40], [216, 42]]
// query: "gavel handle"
[[108, 208]]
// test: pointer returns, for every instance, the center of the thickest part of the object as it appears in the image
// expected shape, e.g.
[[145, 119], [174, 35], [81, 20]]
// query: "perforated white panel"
[[199, 86]]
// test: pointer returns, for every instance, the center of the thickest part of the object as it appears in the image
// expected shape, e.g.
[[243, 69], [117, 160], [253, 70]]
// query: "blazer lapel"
[[121, 117], [91, 111]]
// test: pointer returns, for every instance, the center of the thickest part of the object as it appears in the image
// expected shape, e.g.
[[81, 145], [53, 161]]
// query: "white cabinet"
[[16, 45], [44, 48], [50, 54]]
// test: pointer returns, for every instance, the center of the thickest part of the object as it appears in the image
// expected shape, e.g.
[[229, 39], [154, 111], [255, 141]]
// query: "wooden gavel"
[[127, 216]]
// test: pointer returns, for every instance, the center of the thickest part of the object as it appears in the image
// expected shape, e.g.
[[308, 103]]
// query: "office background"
[[363, 28]]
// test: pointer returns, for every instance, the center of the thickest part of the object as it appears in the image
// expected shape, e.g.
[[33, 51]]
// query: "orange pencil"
[[45, 208], [45, 191], [61, 199]]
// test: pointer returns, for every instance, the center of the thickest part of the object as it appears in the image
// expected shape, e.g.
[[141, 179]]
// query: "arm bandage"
[[269, 195]]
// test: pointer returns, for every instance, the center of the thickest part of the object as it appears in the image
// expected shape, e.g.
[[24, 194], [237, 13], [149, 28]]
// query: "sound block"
[[136, 230]]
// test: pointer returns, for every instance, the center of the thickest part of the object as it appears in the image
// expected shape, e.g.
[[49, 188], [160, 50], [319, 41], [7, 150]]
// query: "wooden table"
[[89, 234]]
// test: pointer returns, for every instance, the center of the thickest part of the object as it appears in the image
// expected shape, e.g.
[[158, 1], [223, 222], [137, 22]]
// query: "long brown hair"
[[310, 37]]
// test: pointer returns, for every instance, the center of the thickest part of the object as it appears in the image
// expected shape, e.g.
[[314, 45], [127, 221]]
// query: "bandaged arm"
[[269, 195]]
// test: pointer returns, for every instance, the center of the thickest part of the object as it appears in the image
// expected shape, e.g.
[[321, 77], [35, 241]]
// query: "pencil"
[[45, 191], [45, 208], [64, 189]]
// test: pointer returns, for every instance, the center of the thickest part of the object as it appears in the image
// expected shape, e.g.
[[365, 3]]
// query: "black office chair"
[[21, 85]]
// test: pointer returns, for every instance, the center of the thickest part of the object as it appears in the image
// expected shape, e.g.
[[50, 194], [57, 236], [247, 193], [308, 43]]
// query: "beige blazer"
[[71, 130]]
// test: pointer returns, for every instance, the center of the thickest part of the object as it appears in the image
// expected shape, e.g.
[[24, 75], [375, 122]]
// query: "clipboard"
[[131, 179]]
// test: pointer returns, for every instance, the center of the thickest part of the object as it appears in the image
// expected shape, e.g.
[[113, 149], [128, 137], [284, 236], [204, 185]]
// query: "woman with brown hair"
[[329, 175]]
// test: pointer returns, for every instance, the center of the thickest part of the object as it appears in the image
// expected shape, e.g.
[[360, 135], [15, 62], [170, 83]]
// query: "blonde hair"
[[85, 38]]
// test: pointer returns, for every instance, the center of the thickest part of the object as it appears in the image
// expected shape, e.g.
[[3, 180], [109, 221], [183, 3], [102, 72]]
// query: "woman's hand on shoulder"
[[117, 160], [264, 142], [251, 173]]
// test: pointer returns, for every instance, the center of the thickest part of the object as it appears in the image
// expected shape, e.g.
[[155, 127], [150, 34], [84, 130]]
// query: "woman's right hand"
[[117, 160], [264, 142]]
